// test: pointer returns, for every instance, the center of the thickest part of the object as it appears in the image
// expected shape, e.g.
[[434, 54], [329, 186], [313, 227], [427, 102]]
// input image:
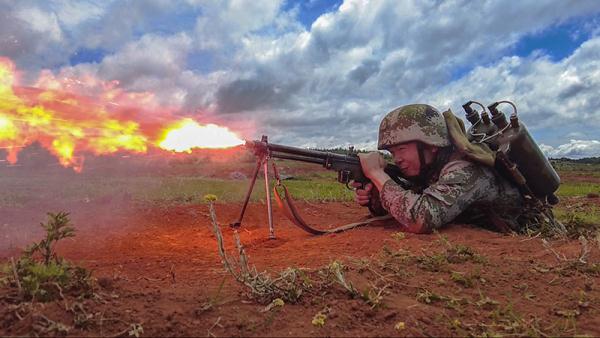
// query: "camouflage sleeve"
[[460, 184], [375, 206]]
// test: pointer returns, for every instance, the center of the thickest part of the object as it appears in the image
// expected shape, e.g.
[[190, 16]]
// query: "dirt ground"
[[160, 271]]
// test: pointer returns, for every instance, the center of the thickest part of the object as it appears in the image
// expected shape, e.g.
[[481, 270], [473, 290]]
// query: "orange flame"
[[188, 134], [70, 125]]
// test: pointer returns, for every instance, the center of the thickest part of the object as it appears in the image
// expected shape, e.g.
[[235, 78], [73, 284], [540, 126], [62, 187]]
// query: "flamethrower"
[[347, 166]]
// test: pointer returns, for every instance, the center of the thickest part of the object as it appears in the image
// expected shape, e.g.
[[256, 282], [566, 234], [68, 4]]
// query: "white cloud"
[[573, 149], [151, 56], [549, 95], [224, 23], [30, 36], [330, 83], [72, 13], [41, 22], [381, 55]]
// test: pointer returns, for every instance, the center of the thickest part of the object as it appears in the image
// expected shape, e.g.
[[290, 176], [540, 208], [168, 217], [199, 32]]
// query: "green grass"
[[578, 169], [21, 191], [313, 184], [569, 189], [191, 189], [589, 216]]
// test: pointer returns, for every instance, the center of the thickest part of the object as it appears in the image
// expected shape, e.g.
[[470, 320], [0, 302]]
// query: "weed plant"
[[40, 274]]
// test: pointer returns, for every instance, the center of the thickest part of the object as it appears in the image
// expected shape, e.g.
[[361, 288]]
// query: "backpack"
[[518, 159]]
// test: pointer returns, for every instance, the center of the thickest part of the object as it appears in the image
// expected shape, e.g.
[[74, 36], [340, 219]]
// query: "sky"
[[323, 73]]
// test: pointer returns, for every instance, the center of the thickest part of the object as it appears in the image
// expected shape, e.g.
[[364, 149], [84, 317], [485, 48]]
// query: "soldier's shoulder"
[[465, 167], [460, 164]]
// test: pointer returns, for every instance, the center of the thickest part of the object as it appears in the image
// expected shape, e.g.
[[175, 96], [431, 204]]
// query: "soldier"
[[447, 186]]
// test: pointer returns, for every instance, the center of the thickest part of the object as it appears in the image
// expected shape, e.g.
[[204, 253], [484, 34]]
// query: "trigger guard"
[[362, 186]]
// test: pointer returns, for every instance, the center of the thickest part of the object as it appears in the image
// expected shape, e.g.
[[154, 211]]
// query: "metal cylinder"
[[472, 115], [499, 120], [541, 178]]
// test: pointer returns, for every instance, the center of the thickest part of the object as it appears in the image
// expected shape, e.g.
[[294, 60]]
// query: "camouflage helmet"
[[414, 122]]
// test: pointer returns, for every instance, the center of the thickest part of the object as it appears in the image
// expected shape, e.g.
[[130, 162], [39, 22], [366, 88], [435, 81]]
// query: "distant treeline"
[[585, 160]]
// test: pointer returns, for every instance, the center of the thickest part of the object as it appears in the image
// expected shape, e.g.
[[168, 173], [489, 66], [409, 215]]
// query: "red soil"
[[161, 266]]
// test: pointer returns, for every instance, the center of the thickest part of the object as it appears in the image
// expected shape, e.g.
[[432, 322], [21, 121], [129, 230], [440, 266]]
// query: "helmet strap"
[[422, 164], [428, 171]]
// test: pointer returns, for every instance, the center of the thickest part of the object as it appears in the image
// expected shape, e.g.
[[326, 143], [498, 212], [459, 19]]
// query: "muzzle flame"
[[70, 125], [188, 134]]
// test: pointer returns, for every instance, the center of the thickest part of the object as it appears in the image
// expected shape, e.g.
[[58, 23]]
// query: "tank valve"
[[485, 118], [497, 116], [514, 121], [471, 114]]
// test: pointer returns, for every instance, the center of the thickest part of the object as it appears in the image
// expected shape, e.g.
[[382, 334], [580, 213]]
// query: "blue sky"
[[323, 73], [558, 40], [309, 11]]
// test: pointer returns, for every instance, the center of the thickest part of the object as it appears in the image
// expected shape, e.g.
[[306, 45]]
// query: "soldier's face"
[[406, 157]]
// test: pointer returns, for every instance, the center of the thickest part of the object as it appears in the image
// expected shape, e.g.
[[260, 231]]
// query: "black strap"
[[288, 207]]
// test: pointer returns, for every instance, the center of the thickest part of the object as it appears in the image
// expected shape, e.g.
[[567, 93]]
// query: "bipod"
[[261, 161]]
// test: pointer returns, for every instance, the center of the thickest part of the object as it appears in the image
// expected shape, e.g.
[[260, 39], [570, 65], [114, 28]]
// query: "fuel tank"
[[517, 143]]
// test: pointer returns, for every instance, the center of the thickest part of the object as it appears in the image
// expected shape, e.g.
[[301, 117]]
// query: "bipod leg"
[[268, 197], [259, 162]]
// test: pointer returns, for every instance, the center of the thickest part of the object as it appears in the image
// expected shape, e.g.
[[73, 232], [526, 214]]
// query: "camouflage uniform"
[[454, 188], [464, 189]]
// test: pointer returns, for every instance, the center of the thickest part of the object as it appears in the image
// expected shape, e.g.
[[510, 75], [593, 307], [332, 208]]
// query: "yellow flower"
[[400, 326], [210, 197], [398, 236], [319, 320]]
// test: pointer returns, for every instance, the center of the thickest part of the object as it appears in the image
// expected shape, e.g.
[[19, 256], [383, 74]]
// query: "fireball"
[[70, 125], [188, 134]]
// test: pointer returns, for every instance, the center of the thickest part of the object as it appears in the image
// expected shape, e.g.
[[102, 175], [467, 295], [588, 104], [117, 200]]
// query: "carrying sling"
[[288, 207]]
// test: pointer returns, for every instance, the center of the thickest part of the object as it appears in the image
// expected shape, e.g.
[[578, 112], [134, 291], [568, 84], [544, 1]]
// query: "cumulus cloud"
[[224, 23], [31, 36], [384, 54], [73, 13], [559, 96], [330, 83], [573, 149]]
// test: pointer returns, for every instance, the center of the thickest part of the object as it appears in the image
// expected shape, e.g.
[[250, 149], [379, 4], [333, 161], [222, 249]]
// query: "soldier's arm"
[[460, 184]]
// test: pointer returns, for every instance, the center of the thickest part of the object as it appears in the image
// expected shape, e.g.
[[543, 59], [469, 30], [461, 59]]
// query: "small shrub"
[[41, 274], [462, 279], [428, 297], [433, 263]]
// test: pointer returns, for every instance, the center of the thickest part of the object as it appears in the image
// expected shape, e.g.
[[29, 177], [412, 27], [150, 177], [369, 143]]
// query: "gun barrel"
[[278, 150], [285, 156], [324, 158]]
